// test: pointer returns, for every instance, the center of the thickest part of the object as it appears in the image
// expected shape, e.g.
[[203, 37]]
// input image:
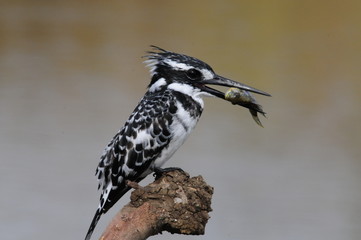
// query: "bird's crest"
[[155, 57], [161, 57]]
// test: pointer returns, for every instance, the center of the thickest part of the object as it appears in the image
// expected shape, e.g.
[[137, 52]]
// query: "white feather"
[[157, 85], [177, 65], [207, 74], [182, 126], [193, 92], [151, 64]]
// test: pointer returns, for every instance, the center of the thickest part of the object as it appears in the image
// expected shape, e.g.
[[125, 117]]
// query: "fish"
[[244, 98]]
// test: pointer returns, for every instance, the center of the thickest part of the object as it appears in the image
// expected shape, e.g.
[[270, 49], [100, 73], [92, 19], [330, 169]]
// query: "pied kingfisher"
[[160, 123]]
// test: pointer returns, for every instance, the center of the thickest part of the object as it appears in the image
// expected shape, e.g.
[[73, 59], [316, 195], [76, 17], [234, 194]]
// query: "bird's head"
[[187, 74]]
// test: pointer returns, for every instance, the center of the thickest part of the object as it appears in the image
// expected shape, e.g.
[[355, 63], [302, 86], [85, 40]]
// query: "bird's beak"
[[222, 81]]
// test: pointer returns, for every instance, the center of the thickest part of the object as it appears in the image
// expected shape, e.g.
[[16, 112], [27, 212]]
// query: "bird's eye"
[[193, 74]]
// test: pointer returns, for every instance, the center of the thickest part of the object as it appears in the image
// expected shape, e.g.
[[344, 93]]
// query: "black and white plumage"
[[159, 125]]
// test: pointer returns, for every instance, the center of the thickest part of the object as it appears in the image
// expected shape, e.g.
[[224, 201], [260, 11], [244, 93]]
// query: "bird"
[[159, 124]]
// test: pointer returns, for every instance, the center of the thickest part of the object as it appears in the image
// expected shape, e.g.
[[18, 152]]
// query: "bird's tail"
[[96, 218]]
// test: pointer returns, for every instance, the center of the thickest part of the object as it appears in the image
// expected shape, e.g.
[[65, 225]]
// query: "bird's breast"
[[182, 125]]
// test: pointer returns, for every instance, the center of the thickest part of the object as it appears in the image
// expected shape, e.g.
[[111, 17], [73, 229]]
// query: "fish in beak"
[[238, 94]]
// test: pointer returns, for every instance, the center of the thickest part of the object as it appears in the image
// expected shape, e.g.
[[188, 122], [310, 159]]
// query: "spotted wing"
[[129, 156]]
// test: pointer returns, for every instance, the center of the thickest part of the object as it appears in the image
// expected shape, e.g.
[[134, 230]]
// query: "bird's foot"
[[158, 172]]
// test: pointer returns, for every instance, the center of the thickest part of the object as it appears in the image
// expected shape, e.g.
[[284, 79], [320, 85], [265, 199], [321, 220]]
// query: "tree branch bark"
[[175, 203]]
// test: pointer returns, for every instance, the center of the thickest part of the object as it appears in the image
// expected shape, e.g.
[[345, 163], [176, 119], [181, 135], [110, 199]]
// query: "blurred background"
[[71, 73]]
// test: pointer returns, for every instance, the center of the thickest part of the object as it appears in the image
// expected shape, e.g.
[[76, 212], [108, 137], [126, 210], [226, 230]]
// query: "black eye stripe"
[[193, 74]]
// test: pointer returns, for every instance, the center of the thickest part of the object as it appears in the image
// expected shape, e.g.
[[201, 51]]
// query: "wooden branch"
[[175, 203]]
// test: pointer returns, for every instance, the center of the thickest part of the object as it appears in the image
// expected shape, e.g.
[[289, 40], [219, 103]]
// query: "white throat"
[[186, 89]]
